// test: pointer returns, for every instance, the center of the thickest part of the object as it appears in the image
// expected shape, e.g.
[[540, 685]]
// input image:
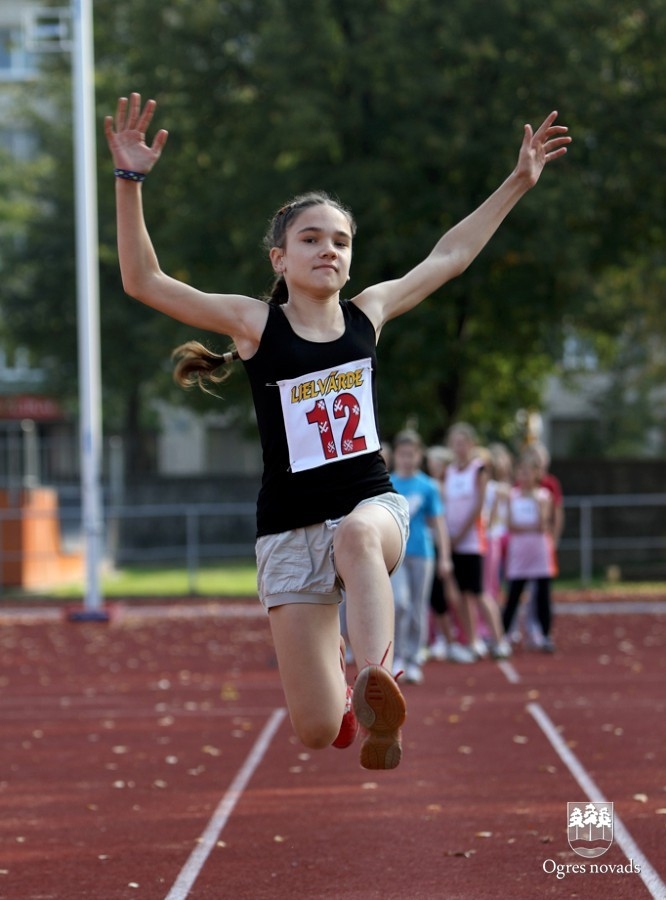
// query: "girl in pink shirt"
[[530, 550]]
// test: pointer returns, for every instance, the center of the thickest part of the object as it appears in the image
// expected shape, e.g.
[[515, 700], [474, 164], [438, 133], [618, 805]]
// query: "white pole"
[[87, 265]]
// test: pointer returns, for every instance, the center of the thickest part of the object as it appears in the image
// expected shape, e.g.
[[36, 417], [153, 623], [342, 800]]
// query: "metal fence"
[[623, 530], [628, 531], [172, 535]]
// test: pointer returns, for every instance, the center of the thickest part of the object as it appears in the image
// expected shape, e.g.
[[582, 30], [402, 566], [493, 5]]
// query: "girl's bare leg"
[[467, 617], [445, 627], [490, 611], [367, 546], [306, 637]]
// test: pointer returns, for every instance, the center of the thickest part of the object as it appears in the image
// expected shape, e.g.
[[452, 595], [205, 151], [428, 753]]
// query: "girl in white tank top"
[[465, 489]]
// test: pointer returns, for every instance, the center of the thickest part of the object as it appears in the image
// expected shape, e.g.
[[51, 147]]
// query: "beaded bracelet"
[[129, 176]]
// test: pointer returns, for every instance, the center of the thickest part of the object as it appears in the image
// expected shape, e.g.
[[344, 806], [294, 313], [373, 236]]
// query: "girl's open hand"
[[126, 136], [542, 146]]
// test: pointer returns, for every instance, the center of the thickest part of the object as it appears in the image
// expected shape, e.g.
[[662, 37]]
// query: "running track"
[[152, 758]]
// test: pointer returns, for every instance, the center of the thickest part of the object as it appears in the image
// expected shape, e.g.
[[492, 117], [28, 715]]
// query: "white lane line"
[[190, 871], [648, 875], [509, 672]]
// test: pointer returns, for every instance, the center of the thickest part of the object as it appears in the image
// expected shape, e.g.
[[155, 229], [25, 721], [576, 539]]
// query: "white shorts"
[[298, 566]]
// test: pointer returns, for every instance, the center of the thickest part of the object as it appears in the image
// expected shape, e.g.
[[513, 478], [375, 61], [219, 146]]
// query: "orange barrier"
[[31, 554]]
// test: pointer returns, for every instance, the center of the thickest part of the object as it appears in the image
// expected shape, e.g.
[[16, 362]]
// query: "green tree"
[[410, 112]]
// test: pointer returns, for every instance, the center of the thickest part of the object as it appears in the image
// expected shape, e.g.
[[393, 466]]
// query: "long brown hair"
[[195, 364]]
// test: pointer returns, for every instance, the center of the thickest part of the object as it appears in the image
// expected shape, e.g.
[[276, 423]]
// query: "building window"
[[16, 64]]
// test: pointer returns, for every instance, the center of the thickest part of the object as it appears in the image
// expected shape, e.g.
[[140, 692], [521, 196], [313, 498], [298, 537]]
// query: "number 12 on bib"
[[329, 415]]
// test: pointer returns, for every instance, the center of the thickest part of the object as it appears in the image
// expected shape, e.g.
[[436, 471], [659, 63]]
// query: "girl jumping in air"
[[327, 514]]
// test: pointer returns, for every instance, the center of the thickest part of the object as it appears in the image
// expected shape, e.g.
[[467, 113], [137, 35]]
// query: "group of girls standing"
[[502, 529]]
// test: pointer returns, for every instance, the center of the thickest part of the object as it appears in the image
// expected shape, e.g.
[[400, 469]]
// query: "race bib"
[[329, 415], [460, 484], [524, 511]]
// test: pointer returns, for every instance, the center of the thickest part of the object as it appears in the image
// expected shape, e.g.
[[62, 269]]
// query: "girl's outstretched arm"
[[242, 318], [461, 244]]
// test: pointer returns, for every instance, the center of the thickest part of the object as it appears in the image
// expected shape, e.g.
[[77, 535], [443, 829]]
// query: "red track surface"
[[120, 741]]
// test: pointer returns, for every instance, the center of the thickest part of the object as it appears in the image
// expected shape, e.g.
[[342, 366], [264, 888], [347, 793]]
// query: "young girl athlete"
[[327, 514]]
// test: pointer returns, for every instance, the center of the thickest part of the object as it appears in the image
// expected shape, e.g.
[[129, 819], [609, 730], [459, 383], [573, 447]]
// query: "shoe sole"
[[380, 709]]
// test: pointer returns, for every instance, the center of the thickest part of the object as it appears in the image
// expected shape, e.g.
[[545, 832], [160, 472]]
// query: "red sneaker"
[[380, 709], [349, 727]]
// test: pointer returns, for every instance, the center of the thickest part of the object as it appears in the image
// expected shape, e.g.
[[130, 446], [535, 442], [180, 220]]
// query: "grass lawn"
[[233, 579], [237, 578]]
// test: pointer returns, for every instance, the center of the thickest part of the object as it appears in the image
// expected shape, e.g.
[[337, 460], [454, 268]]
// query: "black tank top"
[[292, 499]]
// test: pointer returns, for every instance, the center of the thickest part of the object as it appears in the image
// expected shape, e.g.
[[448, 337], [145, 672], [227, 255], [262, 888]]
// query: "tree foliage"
[[412, 113]]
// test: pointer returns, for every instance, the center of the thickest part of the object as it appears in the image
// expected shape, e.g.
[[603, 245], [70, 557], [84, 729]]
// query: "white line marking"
[[509, 672], [190, 871], [648, 875]]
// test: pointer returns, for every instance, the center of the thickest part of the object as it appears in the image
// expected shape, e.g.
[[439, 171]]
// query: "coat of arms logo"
[[590, 828]]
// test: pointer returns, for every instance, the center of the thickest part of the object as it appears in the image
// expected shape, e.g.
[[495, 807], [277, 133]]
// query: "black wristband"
[[129, 176]]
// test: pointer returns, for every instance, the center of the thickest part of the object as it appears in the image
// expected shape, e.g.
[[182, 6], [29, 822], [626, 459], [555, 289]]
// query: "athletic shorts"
[[298, 566], [468, 571]]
